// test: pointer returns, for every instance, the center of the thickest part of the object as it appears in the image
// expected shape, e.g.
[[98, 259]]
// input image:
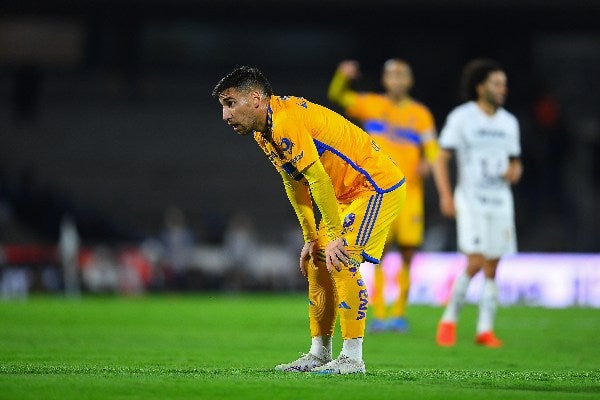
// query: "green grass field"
[[215, 346]]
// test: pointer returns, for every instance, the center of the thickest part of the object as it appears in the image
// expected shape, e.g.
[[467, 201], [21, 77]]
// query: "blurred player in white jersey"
[[485, 139]]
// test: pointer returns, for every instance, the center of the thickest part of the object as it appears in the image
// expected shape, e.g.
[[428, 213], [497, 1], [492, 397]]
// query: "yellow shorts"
[[407, 229], [367, 220]]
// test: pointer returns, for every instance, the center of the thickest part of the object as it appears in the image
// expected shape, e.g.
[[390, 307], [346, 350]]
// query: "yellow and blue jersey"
[[302, 132], [402, 130]]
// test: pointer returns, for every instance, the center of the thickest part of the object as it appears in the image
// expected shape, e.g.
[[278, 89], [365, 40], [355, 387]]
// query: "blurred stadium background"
[[109, 134]]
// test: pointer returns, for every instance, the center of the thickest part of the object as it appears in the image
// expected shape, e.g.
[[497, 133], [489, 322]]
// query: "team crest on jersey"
[[286, 145], [348, 222]]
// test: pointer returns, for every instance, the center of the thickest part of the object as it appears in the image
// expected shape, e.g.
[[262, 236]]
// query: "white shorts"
[[484, 230]]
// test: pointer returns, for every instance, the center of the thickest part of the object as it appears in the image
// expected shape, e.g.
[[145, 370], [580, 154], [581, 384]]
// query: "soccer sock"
[[321, 347], [352, 348], [457, 299], [352, 299], [378, 295], [487, 306], [322, 299], [404, 282]]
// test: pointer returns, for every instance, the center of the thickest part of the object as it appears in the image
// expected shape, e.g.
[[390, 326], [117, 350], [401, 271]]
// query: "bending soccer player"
[[404, 128], [485, 138], [325, 159]]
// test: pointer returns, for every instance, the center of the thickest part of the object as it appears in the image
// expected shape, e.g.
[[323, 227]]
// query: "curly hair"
[[475, 73]]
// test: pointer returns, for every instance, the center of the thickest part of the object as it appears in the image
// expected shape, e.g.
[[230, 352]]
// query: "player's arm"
[[441, 175], [298, 194], [430, 150], [514, 170], [339, 89], [323, 194]]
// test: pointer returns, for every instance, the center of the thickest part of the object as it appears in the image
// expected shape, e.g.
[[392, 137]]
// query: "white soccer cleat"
[[305, 363], [341, 366]]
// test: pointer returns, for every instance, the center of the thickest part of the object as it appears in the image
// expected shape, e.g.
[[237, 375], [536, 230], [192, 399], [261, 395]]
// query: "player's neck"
[[265, 118], [398, 98], [487, 107]]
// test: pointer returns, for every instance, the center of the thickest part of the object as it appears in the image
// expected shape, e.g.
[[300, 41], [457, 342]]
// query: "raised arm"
[[339, 89]]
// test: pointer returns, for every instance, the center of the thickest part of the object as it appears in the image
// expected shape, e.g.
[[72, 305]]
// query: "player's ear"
[[255, 97]]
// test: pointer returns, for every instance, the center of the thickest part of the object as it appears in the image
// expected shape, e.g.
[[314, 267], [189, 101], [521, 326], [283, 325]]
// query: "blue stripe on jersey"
[[366, 220], [374, 126], [320, 147], [269, 118], [371, 222], [362, 224], [407, 134], [356, 167], [369, 258]]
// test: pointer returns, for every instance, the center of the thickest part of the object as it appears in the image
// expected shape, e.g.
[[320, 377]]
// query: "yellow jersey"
[[402, 130], [301, 132]]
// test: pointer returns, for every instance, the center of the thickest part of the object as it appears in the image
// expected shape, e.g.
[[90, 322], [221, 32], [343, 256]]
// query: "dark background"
[[106, 114]]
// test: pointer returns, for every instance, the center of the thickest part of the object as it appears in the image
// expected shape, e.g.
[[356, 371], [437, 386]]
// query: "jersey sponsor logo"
[[297, 158], [286, 145], [491, 133], [344, 305], [302, 103], [363, 297], [272, 156], [490, 201]]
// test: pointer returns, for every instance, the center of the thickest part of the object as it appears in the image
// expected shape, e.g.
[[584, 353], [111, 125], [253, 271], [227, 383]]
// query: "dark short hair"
[[243, 78], [476, 72]]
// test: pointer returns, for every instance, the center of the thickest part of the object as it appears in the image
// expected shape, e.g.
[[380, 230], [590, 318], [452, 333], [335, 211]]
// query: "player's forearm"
[[441, 174], [324, 196], [299, 197], [339, 90]]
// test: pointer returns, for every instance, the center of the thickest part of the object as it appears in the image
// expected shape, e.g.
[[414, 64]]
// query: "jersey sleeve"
[[362, 106], [515, 146], [292, 135], [450, 135], [426, 124]]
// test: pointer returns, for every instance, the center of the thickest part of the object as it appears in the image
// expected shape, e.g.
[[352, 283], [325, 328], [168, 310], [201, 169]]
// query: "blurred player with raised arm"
[[405, 129], [359, 190], [485, 138]]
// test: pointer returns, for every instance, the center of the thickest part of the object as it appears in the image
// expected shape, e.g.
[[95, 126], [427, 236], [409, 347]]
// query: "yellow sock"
[[378, 293], [399, 307], [352, 299], [322, 309]]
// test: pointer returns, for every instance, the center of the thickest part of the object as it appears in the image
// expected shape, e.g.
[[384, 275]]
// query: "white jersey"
[[483, 145]]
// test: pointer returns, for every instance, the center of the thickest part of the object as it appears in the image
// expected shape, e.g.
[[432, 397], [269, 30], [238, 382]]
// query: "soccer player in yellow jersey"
[[405, 130], [359, 190]]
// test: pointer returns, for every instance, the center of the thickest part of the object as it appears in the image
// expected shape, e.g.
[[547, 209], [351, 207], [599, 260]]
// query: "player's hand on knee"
[[307, 256], [336, 255]]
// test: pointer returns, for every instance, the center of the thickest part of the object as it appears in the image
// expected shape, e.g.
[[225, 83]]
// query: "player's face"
[[494, 89], [397, 78], [241, 110]]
